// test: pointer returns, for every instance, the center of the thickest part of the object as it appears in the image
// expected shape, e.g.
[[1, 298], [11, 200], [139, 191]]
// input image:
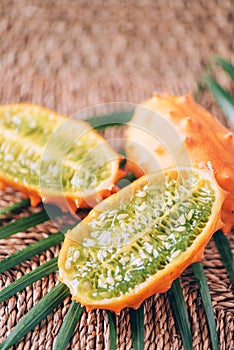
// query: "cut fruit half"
[[47, 155], [137, 241]]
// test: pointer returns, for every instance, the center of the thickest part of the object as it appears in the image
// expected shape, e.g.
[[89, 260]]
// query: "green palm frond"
[[113, 332], [137, 326], [31, 277], [227, 66], [223, 98], [36, 314], [207, 303], [112, 119], [68, 326], [30, 251], [180, 312], [225, 251], [23, 224], [18, 205]]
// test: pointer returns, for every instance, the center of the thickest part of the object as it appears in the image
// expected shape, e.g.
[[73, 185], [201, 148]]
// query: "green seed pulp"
[[23, 138], [126, 246]]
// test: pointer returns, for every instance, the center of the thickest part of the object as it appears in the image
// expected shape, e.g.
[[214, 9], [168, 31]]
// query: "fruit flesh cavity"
[[32, 163], [208, 143], [136, 242]]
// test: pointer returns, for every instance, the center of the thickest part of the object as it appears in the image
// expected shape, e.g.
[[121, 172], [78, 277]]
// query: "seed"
[[16, 120], [190, 214], [162, 237], [104, 295], [101, 284], [142, 206], [147, 239], [137, 262], [68, 264], [182, 219], [99, 223], [122, 216], [87, 285], [181, 229], [32, 124], [175, 254], [140, 194], [142, 255], [100, 256], [110, 280], [9, 158], [76, 255], [124, 260], [118, 278], [148, 247], [170, 201], [105, 238]]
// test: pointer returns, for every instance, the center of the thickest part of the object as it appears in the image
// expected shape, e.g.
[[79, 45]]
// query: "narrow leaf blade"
[[180, 312], [223, 98], [19, 205], [36, 315], [207, 303], [112, 119], [23, 224], [137, 326], [31, 277], [30, 251], [224, 249], [68, 326], [226, 66], [113, 332]]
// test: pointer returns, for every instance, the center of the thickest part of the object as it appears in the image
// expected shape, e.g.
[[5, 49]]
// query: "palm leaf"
[[137, 326], [226, 66], [223, 98], [225, 251], [68, 326], [30, 251], [23, 224], [18, 205], [113, 332], [36, 314], [112, 119], [180, 313], [207, 303], [31, 277]]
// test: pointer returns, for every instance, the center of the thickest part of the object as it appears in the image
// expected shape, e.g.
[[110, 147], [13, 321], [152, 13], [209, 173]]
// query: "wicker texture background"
[[68, 55]]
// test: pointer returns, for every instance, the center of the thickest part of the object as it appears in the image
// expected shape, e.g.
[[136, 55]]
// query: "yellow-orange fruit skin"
[[208, 142]]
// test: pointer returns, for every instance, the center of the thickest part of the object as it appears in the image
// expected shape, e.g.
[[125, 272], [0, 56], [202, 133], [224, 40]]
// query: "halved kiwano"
[[208, 143], [137, 241], [41, 151]]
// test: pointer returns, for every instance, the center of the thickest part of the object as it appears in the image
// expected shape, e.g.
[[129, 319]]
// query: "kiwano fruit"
[[181, 131], [47, 155], [137, 241]]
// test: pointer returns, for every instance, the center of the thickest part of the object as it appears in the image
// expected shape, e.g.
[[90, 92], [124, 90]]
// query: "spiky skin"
[[209, 143]]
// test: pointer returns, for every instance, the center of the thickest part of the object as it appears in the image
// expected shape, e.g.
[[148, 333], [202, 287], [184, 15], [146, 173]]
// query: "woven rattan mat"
[[68, 55]]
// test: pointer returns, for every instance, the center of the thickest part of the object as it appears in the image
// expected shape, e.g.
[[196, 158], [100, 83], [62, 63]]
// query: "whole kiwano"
[[209, 144]]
